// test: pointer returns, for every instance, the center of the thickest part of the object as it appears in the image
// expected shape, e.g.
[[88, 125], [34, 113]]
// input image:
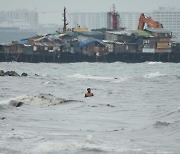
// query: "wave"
[[154, 75], [88, 145], [153, 63], [90, 77], [41, 99]]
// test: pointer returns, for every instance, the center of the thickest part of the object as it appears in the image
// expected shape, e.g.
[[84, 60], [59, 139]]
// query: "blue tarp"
[[84, 43], [22, 42]]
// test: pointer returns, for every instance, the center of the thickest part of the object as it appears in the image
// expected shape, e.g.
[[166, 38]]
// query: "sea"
[[135, 108]]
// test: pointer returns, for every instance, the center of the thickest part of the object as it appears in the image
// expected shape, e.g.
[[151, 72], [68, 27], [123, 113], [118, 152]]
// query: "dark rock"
[[3, 118], [115, 130], [24, 74], [110, 105], [15, 103], [11, 73], [1, 73]]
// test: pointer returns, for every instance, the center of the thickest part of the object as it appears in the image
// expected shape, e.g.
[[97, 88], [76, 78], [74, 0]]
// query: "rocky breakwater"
[[11, 73]]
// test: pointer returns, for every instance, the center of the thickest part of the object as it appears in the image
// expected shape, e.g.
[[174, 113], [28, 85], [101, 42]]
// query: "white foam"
[[46, 83], [90, 77], [153, 63], [153, 75], [88, 145], [43, 99], [69, 145], [6, 102]]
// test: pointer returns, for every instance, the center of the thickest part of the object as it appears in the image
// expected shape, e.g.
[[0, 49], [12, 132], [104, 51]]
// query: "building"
[[87, 20], [22, 19], [129, 20], [170, 18], [15, 25]]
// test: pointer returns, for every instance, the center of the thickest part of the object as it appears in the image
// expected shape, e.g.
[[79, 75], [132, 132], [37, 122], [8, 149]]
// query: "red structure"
[[149, 21], [113, 19]]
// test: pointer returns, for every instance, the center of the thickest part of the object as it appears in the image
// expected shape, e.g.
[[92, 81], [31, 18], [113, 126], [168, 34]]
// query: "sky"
[[50, 11]]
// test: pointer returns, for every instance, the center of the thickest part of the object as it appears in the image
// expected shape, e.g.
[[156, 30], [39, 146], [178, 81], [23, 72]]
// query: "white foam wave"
[[44, 100], [88, 145], [6, 102], [153, 75], [90, 77], [41, 99], [153, 63]]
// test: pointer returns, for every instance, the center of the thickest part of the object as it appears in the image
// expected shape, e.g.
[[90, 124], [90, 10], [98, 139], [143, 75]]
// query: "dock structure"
[[153, 43]]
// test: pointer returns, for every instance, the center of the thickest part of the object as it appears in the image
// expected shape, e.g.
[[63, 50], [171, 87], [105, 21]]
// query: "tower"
[[113, 19]]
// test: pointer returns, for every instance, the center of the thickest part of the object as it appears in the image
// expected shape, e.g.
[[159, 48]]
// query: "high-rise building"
[[129, 20], [16, 25], [169, 17], [22, 19], [88, 20]]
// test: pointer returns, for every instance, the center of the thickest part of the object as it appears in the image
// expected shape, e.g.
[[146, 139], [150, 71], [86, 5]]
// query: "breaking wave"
[[153, 63], [85, 146], [154, 75], [41, 99], [90, 77]]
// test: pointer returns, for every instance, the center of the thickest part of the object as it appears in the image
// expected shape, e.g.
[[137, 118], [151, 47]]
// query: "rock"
[[15, 103], [11, 73], [110, 105], [1, 73], [3, 118], [24, 74]]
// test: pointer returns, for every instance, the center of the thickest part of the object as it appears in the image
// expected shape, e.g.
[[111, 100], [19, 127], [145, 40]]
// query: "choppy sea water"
[[135, 108]]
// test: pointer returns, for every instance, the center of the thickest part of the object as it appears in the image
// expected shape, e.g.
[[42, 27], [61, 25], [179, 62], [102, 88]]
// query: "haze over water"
[[135, 109]]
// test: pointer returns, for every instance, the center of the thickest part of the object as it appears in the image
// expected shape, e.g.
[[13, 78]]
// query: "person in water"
[[89, 93]]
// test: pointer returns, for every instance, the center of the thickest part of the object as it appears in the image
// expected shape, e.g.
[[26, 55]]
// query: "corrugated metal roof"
[[143, 33], [123, 32], [88, 40], [158, 30]]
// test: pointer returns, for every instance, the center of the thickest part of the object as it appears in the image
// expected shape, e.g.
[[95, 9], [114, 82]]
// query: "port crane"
[[149, 21]]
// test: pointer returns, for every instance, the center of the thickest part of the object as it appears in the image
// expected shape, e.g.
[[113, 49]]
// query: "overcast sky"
[[51, 10]]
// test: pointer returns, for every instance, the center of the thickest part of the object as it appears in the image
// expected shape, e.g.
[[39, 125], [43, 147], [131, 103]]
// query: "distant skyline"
[[51, 11]]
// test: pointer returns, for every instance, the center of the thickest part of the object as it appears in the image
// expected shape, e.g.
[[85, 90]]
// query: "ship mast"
[[65, 21]]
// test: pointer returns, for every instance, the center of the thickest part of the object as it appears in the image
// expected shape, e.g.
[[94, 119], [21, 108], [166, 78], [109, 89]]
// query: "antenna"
[[65, 21]]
